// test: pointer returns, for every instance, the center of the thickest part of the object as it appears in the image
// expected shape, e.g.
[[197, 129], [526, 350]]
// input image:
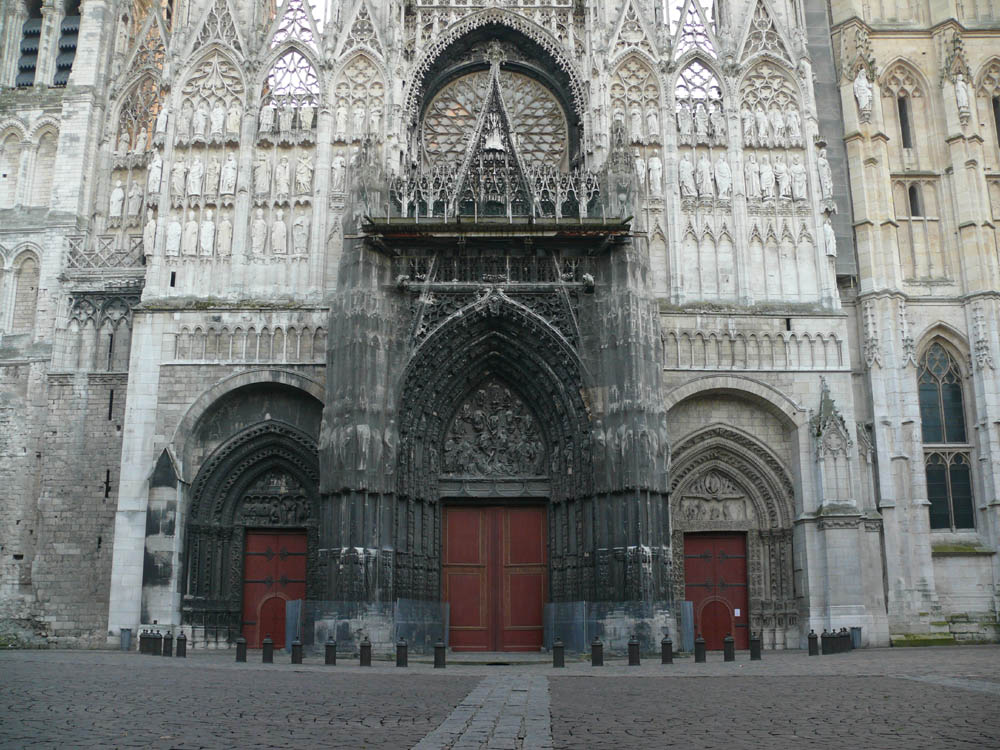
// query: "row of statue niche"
[[204, 238], [654, 169], [125, 207], [775, 128], [636, 121], [766, 180], [863, 95], [697, 124], [277, 232], [286, 117], [362, 121], [705, 180], [283, 178], [205, 122], [196, 179]]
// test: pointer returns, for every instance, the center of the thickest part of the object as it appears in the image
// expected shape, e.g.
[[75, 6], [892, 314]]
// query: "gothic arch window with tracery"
[[635, 100], [909, 107], [989, 105], [358, 100]]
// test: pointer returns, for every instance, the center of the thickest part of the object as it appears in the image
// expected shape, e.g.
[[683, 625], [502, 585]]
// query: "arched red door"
[[274, 571], [715, 581]]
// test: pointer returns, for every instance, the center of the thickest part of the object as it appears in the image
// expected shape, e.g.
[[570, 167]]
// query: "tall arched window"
[[25, 295], [946, 443]]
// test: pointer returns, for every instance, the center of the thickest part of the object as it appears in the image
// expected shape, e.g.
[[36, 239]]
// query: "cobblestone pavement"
[[879, 699]]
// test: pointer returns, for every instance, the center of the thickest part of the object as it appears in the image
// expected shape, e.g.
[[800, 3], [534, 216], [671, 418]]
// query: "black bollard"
[[241, 649], [633, 651], [850, 639], [168, 644], [845, 640], [813, 643], [699, 650], [143, 642], [366, 652], [157, 644], [331, 652], [824, 641], [267, 652], [558, 653], [597, 653], [755, 647], [402, 658], [729, 648], [182, 643], [666, 650], [296, 651], [439, 654]]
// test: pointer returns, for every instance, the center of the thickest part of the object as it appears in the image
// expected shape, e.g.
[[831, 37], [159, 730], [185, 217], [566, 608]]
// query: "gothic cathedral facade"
[[501, 320]]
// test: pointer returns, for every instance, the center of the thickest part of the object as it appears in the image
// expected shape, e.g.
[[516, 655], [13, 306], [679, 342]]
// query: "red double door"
[[495, 577], [715, 581], [274, 572]]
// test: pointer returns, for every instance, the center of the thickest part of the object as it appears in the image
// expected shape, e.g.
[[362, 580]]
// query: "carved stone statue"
[[282, 178], [863, 94], [266, 118], [134, 200], [375, 120], [194, 177], [635, 117], [766, 179], [286, 117], [718, 120], [258, 233], [149, 234], [161, 120], [141, 141], [174, 237], [655, 176], [723, 177], [706, 187], [212, 176], [191, 235], [751, 175], [217, 119], [339, 172], [962, 97], [782, 178], [124, 143], [207, 236], [686, 171], [307, 115], [117, 201], [825, 175], [225, 237], [262, 176], [177, 175], [793, 123], [797, 173], [653, 125], [184, 122], [279, 234], [227, 182], [359, 121], [300, 235], [685, 123], [233, 118], [200, 121], [341, 129], [777, 127], [640, 169], [154, 176], [303, 175], [763, 127], [829, 238], [747, 118], [701, 122]]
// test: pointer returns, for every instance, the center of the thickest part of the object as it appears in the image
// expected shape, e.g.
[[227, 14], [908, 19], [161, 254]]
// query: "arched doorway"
[[732, 503]]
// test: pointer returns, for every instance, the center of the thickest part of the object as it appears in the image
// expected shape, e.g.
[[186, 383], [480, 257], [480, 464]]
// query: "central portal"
[[494, 576]]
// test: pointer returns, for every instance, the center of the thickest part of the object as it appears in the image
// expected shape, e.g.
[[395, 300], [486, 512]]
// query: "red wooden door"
[[274, 571], [494, 577], [715, 581]]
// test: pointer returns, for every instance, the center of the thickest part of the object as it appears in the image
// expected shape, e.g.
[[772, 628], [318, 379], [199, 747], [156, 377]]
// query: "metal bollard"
[[824, 640], [597, 653], [729, 648], [699, 650], [296, 651], [439, 654], [267, 650], [143, 642], [157, 644], [182, 643], [330, 652], [402, 657], [558, 653], [755, 647], [813, 643], [366, 652], [241, 649], [633, 651], [168, 644], [845, 640], [666, 650]]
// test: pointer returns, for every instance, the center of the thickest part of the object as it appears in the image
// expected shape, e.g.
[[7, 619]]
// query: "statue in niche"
[[863, 94], [191, 235], [655, 176], [207, 236], [797, 173], [194, 177], [341, 118], [279, 234], [685, 123], [640, 169], [266, 118], [117, 201], [160, 127], [303, 175], [258, 233], [300, 235], [134, 200], [747, 118], [706, 189], [782, 178], [177, 178], [233, 117], [766, 179], [375, 120], [763, 127], [225, 237], [718, 120], [212, 176], [339, 172], [723, 176], [653, 124], [686, 170], [962, 97], [635, 117], [141, 141], [285, 117], [494, 133], [124, 143], [829, 238], [777, 127], [359, 121], [217, 120], [149, 234], [751, 175], [282, 178], [793, 124], [184, 122], [262, 176], [307, 115], [227, 181], [155, 174], [174, 237], [701, 122], [825, 175], [200, 121]]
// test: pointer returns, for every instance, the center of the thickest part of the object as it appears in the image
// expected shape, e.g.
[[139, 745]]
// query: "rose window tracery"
[[537, 119]]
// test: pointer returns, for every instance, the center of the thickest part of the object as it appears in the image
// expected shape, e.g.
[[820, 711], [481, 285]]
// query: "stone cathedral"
[[499, 321]]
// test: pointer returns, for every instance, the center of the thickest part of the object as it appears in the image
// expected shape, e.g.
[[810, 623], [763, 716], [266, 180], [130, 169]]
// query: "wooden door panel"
[[715, 581], [464, 578], [274, 571]]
